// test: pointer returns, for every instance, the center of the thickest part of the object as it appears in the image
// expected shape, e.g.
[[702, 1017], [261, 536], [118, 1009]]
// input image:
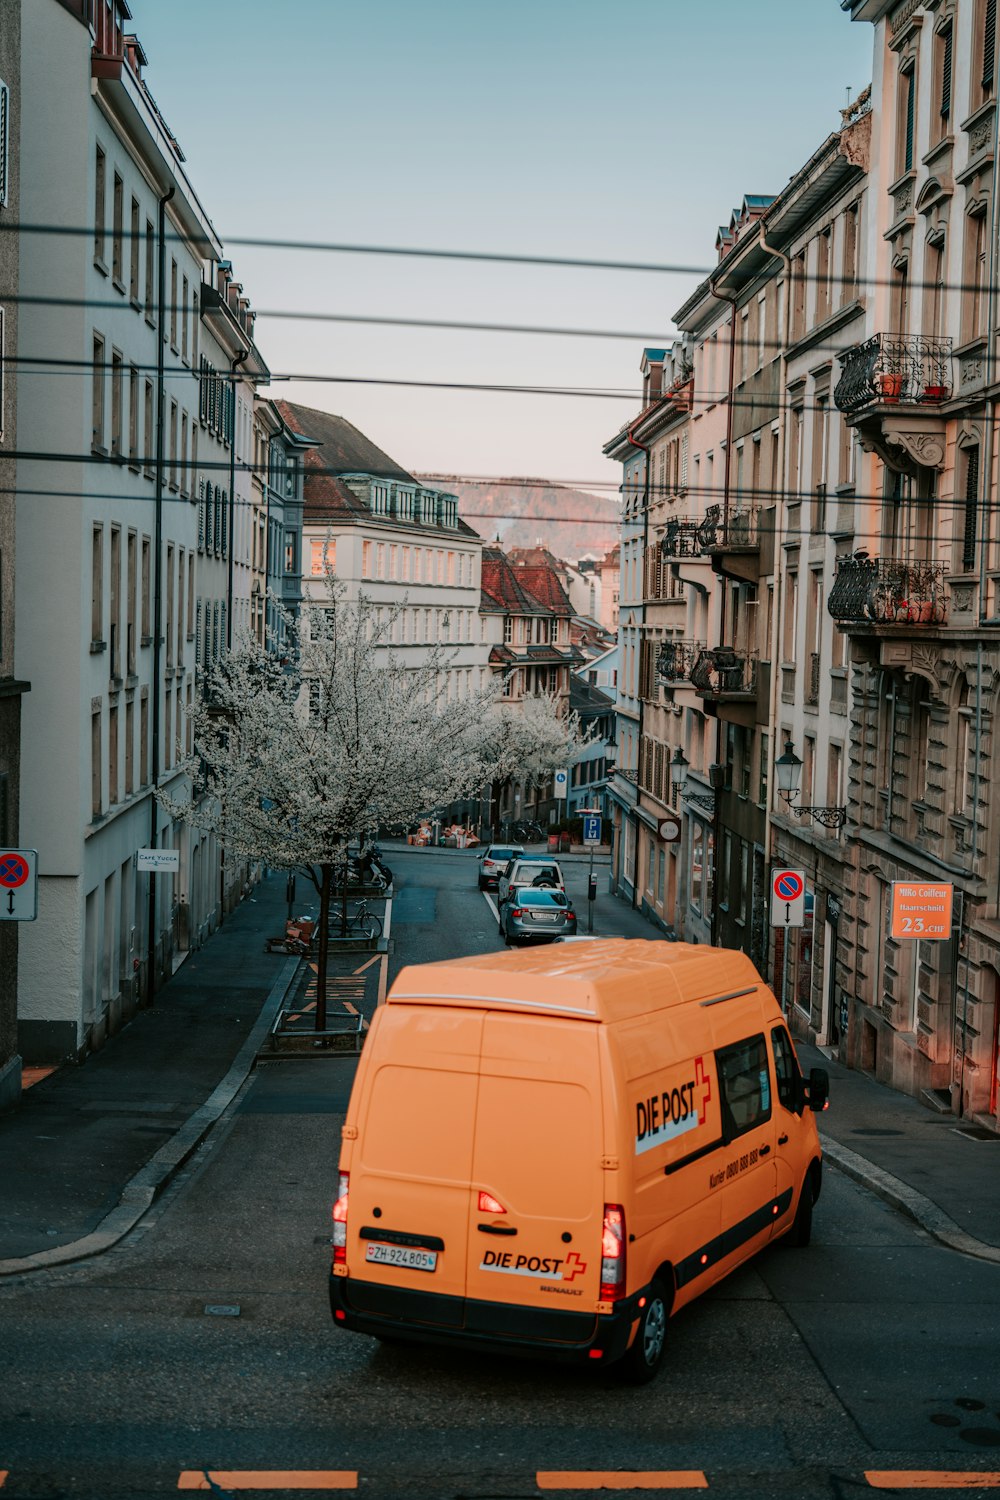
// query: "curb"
[[142, 1190], [908, 1201]]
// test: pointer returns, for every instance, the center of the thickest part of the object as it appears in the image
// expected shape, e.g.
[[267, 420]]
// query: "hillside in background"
[[529, 513]]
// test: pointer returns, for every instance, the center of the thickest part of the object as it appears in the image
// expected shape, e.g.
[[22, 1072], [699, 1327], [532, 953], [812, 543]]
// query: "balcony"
[[872, 591], [675, 661], [681, 538], [725, 673], [733, 541], [890, 390]]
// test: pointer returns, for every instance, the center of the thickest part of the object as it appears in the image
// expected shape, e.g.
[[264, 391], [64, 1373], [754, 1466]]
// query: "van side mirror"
[[819, 1089]]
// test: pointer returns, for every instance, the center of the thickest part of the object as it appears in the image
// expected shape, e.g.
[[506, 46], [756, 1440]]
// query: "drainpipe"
[[237, 360], [645, 540], [723, 593], [161, 297]]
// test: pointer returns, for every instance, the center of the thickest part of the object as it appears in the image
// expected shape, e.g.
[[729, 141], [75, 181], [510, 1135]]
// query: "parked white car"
[[529, 870]]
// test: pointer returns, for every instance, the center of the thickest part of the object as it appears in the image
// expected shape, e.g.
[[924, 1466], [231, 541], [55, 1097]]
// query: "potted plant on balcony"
[[935, 393], [890, 385]]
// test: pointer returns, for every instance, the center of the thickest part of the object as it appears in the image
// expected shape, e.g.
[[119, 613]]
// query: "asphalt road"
[[203, 1345]]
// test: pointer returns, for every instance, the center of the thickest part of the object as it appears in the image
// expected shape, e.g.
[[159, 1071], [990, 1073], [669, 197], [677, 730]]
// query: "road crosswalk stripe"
[[586, 1479], [931, 1479]]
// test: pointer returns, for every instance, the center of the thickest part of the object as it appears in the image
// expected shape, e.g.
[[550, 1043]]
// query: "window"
[[366, 559], [786, 1068], [97, 395], [323, 554], [823, 261], [130, 598], [763, 770], [133, 416], [147, 429], [116, 403], [113, 755], [934, 288], [173, 305], [150, 272], [745, 1085], [114, 600], [117, 233], [971, 458], [974, 300], [100, 170], [134, 252], [145, 590], [4, 138], [850, 261], [943, 66], [906, 118], [97, 584], [95, 764], [986, 28]]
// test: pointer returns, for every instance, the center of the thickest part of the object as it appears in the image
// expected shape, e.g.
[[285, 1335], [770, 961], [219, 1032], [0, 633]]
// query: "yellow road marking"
[[587, 1479], [3, 1477], [368, 963], [382, 977], [930, 1479], [268, 1479]]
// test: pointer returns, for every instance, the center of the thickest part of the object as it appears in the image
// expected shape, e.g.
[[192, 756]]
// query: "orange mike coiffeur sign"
[[920, 909]]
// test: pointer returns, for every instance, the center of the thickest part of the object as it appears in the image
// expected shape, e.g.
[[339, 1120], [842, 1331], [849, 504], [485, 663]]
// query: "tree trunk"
[[323, 948], [343, 900]]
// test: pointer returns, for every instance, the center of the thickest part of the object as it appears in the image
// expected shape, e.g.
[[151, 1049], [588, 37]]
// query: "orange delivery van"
[[550, 1152]]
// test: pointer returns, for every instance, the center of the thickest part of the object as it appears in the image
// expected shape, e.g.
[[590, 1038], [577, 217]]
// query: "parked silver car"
[[537, 913], [493, 860]]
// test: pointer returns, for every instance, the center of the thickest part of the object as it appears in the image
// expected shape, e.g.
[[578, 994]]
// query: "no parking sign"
[[788, 898]]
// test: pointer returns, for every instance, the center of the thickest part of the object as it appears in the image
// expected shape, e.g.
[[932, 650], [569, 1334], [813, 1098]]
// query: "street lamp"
[[679, 768], [788, 770]]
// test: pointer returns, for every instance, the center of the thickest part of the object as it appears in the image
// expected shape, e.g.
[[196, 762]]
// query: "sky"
[[585, 129]]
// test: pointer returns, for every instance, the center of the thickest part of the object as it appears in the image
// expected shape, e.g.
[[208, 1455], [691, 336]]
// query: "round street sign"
[[14, 870], [670, 829], [788, 885]]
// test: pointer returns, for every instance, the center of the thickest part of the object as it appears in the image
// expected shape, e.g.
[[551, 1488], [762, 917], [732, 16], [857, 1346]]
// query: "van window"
[[786, 1068], [746, 1085]]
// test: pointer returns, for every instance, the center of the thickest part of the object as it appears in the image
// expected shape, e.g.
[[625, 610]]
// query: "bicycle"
[[360, 923]]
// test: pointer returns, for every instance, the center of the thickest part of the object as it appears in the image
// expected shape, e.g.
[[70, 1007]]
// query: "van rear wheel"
[[801, 1231], [642, 1361]]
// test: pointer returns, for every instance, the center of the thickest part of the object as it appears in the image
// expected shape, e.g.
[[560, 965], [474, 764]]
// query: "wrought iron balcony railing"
[[681, 537], [675, 660], [887, 591], [740, 531], [725, 672], [889, 369]]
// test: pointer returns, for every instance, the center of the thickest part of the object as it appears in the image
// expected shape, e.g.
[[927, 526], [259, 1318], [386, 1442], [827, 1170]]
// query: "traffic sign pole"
[[591, 837]]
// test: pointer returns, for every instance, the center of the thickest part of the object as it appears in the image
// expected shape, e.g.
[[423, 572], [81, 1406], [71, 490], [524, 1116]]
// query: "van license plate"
[[401, 1255]]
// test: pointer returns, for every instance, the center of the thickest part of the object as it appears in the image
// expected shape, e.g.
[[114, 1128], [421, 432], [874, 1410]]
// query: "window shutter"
[[201, 517], [224, 523], [684, 461], [4, 138], [198, 656], [909, 83], [989, 43], [946, 63], [971, 505]]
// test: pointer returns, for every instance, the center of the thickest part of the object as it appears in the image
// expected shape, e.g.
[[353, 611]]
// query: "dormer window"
[[380, 498], [404, 504]]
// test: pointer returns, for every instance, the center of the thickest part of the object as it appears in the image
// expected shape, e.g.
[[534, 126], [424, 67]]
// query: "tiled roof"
[[341, 450], [543, 583]]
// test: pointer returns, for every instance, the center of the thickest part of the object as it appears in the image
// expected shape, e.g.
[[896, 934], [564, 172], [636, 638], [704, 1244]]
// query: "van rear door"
[[537, 1208], [412, 1163]]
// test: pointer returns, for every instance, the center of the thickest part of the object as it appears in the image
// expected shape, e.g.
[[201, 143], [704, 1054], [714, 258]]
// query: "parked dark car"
[[492, 861], [538, 914]]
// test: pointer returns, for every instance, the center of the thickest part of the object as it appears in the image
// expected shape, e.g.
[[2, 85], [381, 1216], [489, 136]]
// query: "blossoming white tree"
[[530, 742], [295, 758]]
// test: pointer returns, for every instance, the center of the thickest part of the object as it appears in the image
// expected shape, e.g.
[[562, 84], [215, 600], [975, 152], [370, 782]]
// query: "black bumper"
[[488, 1327]]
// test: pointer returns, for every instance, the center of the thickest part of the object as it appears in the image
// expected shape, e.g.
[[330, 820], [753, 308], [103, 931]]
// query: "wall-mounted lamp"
[[788, 770], [679, 767]]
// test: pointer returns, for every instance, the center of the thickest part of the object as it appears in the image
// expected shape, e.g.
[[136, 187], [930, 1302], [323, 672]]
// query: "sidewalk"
[[91, 1147]]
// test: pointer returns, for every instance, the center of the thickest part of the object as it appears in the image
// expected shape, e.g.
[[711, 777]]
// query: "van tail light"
[[339, 1239], [613, 1253]]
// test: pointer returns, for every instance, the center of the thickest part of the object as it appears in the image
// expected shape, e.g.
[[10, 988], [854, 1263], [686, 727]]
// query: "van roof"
[[609, 979]]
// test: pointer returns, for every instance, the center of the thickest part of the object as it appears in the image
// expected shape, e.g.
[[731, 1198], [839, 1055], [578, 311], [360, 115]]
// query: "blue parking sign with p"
[[591, 828]]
